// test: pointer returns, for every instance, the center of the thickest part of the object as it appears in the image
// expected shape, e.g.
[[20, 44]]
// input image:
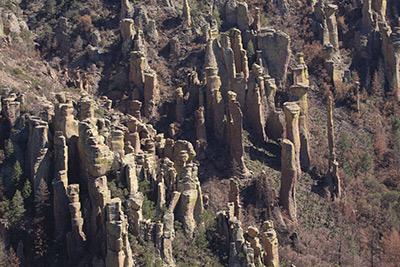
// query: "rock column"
[[292, 112], [234, 132], [119, 253], [287, 194], [76, 239]]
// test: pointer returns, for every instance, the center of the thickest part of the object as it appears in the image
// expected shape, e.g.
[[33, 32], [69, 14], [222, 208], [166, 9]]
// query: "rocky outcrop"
[[292, 112], [190, 206], [326, 16], [271, 246], [275, 47], [64, 119], [60, 183], [38, 152], [234, 132], [254, 106], [10, 108], [391, 55], [150, 94], [99, 196], [128, 33], [187, 20], [298, 93], [233, 197], [119, 253], [95, 156], [287, 194], [76, 239], [127, 9]]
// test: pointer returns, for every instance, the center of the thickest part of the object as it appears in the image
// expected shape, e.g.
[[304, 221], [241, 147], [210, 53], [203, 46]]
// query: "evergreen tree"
[[27, 189], [41, 198], [17, 208], [17, 175], [9, 149]]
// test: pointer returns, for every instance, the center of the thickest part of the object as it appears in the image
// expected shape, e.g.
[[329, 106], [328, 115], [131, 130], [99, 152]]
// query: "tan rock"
[[242, 17], [76, 239], [275, 47], [287, 194], [38, 151], [234, 132], [119, 253], [10, 109], [234, 197], [271, 246], [186, 14], [127, 32], [150, 94], [292, 112]]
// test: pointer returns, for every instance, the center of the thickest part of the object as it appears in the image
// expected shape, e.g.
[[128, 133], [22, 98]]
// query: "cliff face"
[[169, 133]]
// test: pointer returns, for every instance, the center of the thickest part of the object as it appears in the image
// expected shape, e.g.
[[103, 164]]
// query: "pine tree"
[[9, 149], [17, 208], [41, 197], [27, 189], [17, 175]]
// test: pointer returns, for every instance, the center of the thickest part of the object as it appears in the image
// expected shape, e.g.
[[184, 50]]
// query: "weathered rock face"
[[215, 101], [191, 199], [117, 142], [252, 237], [10, 109], [150, 94], [326, 16], [64, 119], [127, 9], [287, 195], [234, 197], [119, 253], [99, 196], [128, 33], [187, 20], [292, 112], [76, 239], [391, 54], [271, 246], [298, 93], [39, 154], [240, 54], [137, 65], [275, 47], [200, 124], [60, 183], [254, 106], [234, 132], [96, 158], [242, 16]]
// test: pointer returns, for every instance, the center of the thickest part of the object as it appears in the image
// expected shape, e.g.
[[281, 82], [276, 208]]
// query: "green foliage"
[[16, 209], [391, 196], [99, 112], [264, 20], [366, 162], [196, 251], [17, 71], [17, 175], [251, 53], [217, 16], [26, 189], [198, 8], [149, 209], [118, 190], [9, 149], [344, 144]]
